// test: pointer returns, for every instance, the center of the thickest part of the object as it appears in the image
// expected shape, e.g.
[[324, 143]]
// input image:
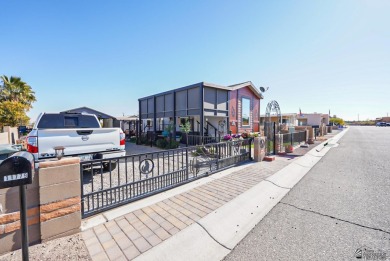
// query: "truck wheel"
[[107, 166]]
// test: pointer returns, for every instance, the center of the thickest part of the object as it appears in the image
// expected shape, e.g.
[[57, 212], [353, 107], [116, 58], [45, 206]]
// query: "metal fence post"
[[187, 175], [274, 138], [250, 149], [82, 190], [23, 220]]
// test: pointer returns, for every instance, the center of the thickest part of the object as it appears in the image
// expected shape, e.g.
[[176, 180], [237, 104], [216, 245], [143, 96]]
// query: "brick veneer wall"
[[235, 110], [53, 202]]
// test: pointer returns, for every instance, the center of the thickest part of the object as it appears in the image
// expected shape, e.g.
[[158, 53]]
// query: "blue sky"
[[314, 55]]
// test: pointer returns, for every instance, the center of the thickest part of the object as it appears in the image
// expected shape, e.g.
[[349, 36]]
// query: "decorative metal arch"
[[273, 106]]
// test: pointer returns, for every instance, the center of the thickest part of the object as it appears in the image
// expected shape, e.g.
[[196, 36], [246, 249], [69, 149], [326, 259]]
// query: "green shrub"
[[161, 143], [165, 144], [144, 139], [172, 145]]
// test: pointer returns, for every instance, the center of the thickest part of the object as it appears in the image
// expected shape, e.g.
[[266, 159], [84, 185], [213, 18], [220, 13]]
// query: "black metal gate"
[[272, 128], [113, 182]]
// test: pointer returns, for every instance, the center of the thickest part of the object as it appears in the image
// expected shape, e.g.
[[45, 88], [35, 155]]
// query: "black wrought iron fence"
[[194, 140], [294, 138], [113, 182], [270, 130]]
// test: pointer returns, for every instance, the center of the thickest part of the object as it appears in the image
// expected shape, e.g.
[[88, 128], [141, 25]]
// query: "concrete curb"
[[215, 235]]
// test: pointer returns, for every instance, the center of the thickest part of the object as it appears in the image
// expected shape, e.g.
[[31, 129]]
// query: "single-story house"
[[288, 119], [105, 119], [127, 123], [313, 119], [382, 119]]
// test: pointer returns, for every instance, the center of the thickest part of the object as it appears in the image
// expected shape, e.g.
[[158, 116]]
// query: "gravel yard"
[[65, 249]]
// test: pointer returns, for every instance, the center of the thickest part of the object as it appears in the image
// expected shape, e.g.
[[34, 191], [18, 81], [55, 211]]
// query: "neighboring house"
[[383, 119], [127, 123], [313, 119], [211, 109], [288, 119], [105, 119]]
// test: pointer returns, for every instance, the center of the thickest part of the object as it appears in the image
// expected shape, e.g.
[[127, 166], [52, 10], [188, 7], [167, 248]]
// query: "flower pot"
[[289, 149]]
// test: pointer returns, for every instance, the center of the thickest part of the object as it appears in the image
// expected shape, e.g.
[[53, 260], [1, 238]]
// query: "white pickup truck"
[[80, 134]]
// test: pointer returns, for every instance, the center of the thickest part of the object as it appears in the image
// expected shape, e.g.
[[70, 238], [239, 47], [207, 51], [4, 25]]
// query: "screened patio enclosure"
[[204, 105]]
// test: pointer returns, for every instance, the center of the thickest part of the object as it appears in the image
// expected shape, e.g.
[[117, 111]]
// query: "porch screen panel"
[[144, 109], [150, 107], [168, 105], [194, 101], [222, 100], [194, 112], [210, 98], [160, 106], [181, 103]]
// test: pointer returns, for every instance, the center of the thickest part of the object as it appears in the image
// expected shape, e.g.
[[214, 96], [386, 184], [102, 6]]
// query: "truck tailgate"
[[77, 141]]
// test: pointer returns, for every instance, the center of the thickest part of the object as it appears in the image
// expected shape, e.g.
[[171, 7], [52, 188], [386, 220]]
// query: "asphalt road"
[[341, 205]]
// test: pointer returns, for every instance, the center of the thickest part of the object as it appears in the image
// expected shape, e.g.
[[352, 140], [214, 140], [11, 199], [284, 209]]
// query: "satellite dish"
[[262, 89]]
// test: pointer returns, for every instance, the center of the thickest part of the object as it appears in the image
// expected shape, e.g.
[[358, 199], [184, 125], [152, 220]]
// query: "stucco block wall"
[[4, 138], [59, 192], [6, 135], [10, 235], [53, 205]]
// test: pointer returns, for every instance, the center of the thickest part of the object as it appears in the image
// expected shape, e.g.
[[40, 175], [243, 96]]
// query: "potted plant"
[[245, 135], [289, 148], [227, 137], [168, 129]]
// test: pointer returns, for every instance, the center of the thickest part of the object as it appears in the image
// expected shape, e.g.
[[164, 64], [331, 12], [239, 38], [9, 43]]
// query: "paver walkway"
[[128, 236]]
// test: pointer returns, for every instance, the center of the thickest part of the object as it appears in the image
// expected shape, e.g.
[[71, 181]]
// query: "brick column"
[[279, 144], [259, 148], [311, 135], [59, 189]]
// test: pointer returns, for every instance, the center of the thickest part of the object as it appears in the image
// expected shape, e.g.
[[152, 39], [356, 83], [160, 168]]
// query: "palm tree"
[[16, 98], [15, 90]]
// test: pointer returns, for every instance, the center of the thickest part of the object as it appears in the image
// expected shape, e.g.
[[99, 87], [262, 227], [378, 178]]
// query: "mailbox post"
[[17, 171]]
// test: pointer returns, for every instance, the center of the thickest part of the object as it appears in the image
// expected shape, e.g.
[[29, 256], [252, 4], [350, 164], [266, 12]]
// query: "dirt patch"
[[64, 249]]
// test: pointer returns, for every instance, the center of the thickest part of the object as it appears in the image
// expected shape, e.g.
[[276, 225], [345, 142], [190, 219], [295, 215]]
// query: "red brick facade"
[[235, 111]]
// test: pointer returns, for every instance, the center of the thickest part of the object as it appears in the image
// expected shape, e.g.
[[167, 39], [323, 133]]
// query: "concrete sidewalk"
[[201, 220]]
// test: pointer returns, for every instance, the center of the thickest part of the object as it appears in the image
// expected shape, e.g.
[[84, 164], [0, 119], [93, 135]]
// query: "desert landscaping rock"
[[65, 249]]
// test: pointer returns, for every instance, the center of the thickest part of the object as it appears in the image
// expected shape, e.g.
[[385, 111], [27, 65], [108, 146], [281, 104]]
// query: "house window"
[[245, 112]]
